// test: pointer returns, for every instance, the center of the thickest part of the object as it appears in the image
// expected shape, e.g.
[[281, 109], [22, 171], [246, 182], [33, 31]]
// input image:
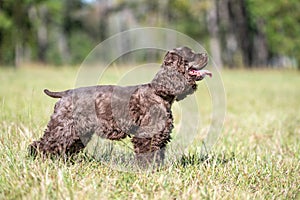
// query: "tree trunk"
[[18, 54], [38, 16], [42, 34], [260, 48], [213, 29], [229, 43], [239, 16], [236, 36], [63, 47]]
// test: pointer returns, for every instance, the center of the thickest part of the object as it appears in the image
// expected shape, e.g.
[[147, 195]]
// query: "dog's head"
[[181, 69], [189, 63]]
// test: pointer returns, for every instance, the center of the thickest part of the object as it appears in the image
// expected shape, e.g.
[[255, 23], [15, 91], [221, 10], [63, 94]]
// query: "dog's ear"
[[172, 57]]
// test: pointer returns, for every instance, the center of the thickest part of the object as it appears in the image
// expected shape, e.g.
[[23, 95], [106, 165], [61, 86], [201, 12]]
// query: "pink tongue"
[[201, 73]]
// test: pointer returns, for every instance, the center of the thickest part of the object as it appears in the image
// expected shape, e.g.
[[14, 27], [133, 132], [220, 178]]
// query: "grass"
[[256, 157]]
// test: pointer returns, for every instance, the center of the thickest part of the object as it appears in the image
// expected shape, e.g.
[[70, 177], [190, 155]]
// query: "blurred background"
[[237, 33], [258, 150]]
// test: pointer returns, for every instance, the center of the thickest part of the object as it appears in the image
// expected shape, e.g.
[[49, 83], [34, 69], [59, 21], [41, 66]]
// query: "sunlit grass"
[[257, 155]]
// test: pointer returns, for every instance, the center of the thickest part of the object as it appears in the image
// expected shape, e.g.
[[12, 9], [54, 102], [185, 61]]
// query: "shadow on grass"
[[206, 159], [192, 159]]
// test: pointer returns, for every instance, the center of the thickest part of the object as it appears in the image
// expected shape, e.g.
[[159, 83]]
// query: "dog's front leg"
[[148, 151]]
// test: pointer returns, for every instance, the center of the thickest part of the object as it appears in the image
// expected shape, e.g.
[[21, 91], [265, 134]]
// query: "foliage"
[[81, 45], [47, 31], [14, 28], [257, 156], [188, 18], [280, 22]]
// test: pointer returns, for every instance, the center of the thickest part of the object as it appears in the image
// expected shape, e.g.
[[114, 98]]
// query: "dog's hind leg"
[[60, 136]]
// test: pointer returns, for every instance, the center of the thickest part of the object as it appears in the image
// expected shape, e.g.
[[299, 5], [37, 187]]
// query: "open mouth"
[[198, 72]]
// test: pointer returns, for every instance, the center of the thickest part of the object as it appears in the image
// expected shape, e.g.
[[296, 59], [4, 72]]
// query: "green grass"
[[256, 157]]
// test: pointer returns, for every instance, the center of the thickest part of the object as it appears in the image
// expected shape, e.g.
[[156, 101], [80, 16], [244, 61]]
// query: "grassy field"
[[256, 157]]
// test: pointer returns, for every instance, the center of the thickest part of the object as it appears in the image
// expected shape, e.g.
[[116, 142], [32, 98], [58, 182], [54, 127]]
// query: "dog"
[[142, 112]]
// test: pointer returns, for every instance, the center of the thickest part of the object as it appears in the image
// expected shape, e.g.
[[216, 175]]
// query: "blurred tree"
[[235, 33], [6, 24], [213, 29], [38, 29], [15, 30], [279, 22], [189, 17], [238, 32]]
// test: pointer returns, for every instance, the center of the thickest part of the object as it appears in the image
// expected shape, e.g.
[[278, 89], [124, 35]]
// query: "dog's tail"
[[56, 94]]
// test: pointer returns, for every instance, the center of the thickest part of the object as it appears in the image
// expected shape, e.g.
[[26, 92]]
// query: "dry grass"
[[256, 157]]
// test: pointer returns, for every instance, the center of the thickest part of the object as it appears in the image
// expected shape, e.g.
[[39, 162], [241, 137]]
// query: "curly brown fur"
[[114, 112]]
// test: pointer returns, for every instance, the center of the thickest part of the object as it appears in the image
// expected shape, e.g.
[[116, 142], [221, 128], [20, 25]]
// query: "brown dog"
[[142, 112]]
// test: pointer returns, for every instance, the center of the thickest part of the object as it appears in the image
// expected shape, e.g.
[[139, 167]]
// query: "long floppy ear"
[[171, 58]]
